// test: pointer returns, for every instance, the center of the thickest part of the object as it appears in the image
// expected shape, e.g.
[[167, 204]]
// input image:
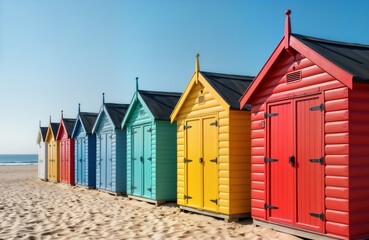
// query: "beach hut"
[[111, 164], [310, 144], [151, 146], [64, 136], [213, 146], [52, 152], [42, 152], [85, 149]]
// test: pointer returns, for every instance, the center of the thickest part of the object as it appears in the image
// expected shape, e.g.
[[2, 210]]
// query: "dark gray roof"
[[43, 131], [88, 120], [116, 112], [353, 58], [54, 128], [160, 104], [69, 125], [230, 87]]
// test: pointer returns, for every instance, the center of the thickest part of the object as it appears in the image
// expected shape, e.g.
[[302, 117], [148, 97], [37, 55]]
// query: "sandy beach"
[[34, 209]]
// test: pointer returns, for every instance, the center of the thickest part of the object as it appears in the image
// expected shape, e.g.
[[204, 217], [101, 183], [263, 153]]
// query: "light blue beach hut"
[[151, 146], [111, 148], [85, 149]]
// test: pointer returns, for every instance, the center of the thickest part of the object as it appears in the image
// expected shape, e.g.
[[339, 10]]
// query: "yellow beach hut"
[[213, 146], [53, 152]]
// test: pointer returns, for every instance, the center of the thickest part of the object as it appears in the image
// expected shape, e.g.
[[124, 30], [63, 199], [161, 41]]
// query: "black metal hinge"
[[187, 197], [317, 160], [133, 187], [215, 160], [150, 130], [317, 215], [149, 158], [214, 201], [134, 132], [186, 160], [266, 206], [214, 123], [266, 160], [186, 127], [266, 115], [149, 189], [317, 108]]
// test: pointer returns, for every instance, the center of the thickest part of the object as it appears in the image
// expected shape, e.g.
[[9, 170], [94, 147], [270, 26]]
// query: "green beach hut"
[[151, 146]]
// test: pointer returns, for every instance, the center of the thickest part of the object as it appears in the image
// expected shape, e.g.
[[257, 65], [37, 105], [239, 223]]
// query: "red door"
[[295, 163]]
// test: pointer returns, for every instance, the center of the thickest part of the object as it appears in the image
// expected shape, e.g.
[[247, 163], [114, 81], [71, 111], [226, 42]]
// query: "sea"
[[18, 159]]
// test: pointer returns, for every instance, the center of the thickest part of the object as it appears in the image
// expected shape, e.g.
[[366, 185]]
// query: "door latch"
[[201, 160], [291, 160]]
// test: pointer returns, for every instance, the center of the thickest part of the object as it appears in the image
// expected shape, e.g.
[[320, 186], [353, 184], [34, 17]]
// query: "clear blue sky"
[[55, 54]]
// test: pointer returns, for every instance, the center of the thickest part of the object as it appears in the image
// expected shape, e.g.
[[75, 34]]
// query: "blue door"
[[102, 161], [83, 161], [78, 162], [137, 159], [109, 183], [147, 175]]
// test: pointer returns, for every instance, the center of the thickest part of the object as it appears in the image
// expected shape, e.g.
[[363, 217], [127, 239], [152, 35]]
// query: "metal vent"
[[293, 76], [202, 100]]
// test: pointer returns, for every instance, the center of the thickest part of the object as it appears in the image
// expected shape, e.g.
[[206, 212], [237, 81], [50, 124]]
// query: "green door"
[[147, 166], [136, 161]]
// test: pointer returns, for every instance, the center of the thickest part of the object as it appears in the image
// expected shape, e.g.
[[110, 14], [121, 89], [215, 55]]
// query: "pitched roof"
[[160, 104], [43, 131], [54, 128], [353, 58], [116, 112], [69, 125], [230, 87], [88, 120]]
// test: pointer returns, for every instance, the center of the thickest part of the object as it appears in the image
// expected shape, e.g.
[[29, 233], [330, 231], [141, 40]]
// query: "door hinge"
[[186, 160], [149, 158], [317, 160], [266, 206], [186, 127], [215, 123], [134, 158], [317, 215], [215, 160], [266, 115], [214, 201], [187, 197], [317, 108], [150, 130], [266, 160], [149, 189], [133, 187], [134, 132]]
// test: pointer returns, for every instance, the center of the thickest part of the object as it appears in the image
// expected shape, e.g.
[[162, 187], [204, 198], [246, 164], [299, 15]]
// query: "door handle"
[[201, 160], [291, 160]]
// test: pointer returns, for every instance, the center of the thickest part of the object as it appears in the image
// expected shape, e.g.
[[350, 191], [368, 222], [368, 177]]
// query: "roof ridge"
[[228, 75], [159, 92]]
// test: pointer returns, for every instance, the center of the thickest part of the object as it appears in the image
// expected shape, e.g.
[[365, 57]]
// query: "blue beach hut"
[[110, 148], [151, 146], [85, 149]]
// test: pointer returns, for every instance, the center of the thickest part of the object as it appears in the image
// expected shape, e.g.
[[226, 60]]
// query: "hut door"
[[201, 175], [103, 161], [109, 161], [295, 163], [280, 172], [136, 161], [62, 161], [193, 169], [147, 176], [210, 151], [83, 162], [79, 162]]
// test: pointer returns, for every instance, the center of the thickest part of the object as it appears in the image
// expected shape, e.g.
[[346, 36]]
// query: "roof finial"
[[79, 108], [103, 94], [287, 30], [136, 84], [62, 114], [197, 67], [50, 119]]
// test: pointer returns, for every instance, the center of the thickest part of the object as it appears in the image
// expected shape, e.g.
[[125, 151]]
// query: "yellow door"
[[50, 159], [210, 163], [193, 169]]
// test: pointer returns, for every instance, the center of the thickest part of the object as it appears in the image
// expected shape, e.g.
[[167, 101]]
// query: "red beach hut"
[[64, 135], [310, 138]]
